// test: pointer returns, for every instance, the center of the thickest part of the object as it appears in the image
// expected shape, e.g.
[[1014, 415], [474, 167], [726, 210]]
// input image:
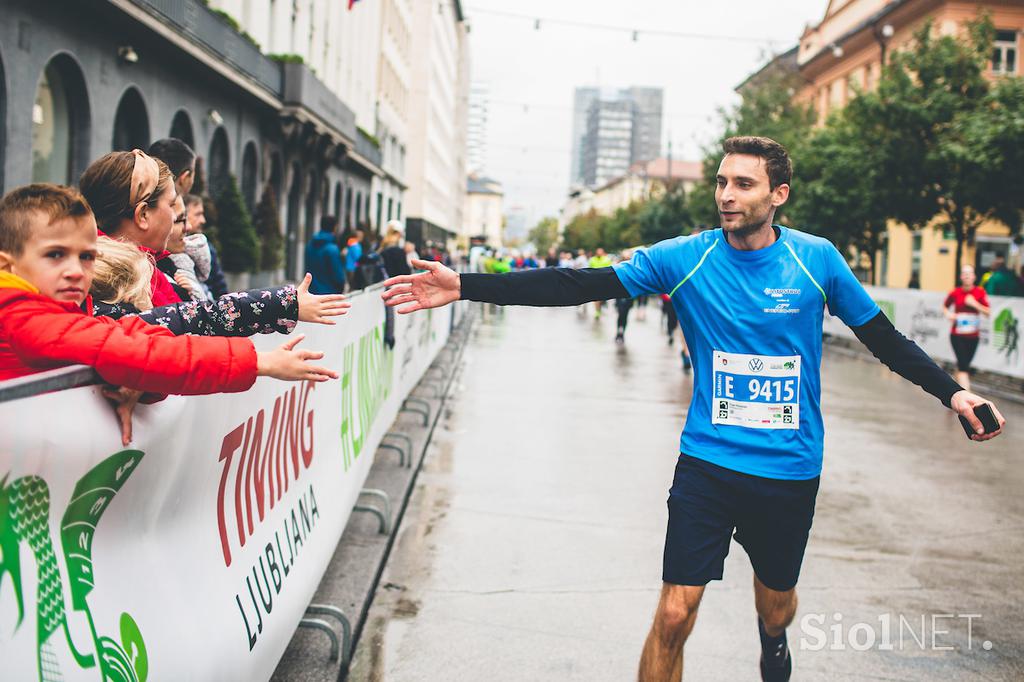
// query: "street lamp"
[[883, 34]]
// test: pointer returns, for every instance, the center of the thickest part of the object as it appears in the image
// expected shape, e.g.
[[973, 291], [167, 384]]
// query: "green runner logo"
[[1006, 334], [25, 518]]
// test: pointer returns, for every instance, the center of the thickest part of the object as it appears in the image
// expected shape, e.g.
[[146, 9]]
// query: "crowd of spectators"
[[118, 275]]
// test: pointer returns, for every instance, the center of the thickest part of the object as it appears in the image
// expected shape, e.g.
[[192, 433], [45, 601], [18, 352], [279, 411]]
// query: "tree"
[[544, 234], [268, 227], [240, 248], [941, 127], [665, 217]]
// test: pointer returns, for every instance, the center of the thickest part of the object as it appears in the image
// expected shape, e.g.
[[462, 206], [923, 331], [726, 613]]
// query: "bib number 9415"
[[756, 391]]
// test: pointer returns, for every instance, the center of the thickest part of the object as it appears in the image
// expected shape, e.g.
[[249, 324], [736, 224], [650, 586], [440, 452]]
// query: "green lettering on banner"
[[367, 369], [25, 517]]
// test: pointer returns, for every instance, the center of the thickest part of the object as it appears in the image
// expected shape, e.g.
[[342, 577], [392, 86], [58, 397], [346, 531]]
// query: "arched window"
[[219, 167], [249, 176], [348, 207], [3, 124], [292, 223], [181, 128], [131, 122], [60, 123], [312, 200], [275, 178]]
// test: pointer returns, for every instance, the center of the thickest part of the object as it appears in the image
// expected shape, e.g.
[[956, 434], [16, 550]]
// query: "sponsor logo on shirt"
[[781, 300]]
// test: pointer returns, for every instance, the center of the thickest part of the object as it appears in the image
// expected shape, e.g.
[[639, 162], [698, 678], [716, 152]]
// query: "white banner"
[[192, 554], [918, 314]]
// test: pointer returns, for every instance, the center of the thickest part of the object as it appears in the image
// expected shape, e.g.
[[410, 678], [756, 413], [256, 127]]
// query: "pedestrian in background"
[[324, 260], [969, 303], [353, 252], [392, 251], [1001, 280]]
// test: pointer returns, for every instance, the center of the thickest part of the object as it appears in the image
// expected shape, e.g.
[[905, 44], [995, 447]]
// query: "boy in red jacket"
[[47, 252]]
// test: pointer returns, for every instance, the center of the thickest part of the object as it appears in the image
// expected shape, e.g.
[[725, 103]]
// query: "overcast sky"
[[532, 73]]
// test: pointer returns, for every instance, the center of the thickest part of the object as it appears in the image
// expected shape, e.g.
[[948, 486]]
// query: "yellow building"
[[847, 49]]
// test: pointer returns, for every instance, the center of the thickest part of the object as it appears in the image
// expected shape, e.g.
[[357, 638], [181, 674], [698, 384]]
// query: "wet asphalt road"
[[531, 548]]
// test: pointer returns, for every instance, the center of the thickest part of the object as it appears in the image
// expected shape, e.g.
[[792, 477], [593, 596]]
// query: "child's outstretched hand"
[[289, 364], [124, 401], [319, 308]]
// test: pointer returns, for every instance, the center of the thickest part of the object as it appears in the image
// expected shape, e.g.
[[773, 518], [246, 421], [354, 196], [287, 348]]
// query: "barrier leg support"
[[400, 451], [411, 403], [324, 627], [383, 516], [405, 439], [346, 627]]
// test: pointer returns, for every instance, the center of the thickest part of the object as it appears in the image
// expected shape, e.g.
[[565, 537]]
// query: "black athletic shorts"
[[964, 347], [771, 519]]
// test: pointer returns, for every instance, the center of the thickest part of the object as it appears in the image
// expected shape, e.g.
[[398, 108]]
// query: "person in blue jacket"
[[324, 260]]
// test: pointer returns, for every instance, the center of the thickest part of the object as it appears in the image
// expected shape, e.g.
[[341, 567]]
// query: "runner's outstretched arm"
[[440, 285], [904, 357]]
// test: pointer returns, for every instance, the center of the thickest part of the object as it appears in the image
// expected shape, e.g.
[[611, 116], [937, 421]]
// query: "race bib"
[[756, 391], [967, 323]]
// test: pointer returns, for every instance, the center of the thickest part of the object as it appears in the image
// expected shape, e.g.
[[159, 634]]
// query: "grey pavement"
[[531, 546]]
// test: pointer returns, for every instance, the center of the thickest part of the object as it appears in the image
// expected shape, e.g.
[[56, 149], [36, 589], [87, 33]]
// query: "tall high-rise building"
[[613, 129], [476, 129], [582, 100], [647, 107]]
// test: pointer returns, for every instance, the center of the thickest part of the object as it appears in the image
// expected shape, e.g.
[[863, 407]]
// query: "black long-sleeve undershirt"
[[566, 286], [544, 287]]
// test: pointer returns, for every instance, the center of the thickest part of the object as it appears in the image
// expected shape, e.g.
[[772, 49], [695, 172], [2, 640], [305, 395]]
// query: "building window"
[[1004, 53], [391, 207], [181, 128], [249, 176], [131, 123], [51, 129], [219, 163]]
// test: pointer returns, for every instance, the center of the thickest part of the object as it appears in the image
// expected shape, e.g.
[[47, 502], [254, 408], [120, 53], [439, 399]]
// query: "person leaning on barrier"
[[119, 289], [214, 282], [48, 250], [132, 195]]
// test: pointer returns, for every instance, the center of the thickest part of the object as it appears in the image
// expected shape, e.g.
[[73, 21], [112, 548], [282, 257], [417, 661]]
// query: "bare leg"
[[964, 379], [776, 609], [662, 658]]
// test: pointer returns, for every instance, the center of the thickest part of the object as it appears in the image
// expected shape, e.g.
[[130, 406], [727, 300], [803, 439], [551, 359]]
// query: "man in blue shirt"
[[750, 297]]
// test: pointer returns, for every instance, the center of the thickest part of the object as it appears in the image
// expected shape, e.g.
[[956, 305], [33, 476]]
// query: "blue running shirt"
[[752, 321]]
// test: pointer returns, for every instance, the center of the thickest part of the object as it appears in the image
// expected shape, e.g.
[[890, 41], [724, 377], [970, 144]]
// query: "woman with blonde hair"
[[121, 288]]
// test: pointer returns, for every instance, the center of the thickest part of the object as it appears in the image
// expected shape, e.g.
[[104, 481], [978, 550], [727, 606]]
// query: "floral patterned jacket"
[[257, 311]]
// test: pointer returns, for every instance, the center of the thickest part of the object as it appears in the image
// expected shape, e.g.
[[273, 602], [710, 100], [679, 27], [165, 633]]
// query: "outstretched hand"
[[290, 364], [436, 287], [319, 308], [963, 403]]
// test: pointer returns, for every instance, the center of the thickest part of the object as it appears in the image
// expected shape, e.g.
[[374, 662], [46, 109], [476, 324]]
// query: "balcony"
[[368, 148], [197, 22], [303, 89]]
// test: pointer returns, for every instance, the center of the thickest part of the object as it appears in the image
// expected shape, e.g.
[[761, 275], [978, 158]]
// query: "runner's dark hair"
[[776, 159]]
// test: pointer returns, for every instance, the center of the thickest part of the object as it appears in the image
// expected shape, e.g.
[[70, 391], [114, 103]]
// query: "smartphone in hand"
[[987, 417]]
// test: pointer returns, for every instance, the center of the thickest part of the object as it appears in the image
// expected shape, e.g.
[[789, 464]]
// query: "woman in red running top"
[[969, 303]]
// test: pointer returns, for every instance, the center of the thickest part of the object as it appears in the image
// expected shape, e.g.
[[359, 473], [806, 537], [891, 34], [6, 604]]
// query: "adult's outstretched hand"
[[434, 288]]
